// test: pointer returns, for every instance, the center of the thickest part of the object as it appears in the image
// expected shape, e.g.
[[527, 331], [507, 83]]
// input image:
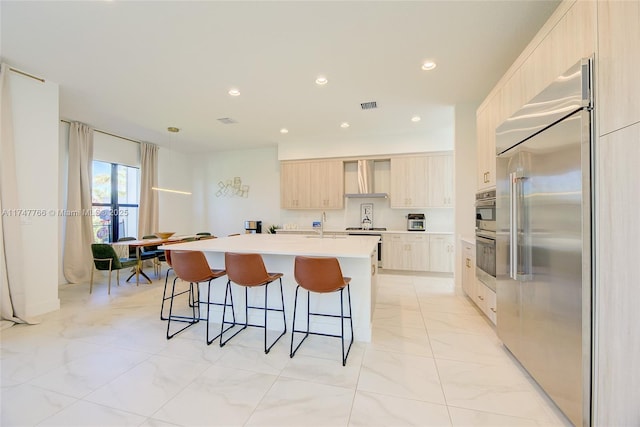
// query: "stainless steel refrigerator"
[[544, 239]]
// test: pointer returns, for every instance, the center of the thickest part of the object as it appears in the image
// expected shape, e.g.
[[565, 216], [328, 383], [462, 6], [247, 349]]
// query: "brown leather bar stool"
[[248, 270], [167, 258], [321, 275], [192, 267]]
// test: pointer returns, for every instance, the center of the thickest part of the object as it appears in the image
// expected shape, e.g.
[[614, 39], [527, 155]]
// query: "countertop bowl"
[[164, 234]]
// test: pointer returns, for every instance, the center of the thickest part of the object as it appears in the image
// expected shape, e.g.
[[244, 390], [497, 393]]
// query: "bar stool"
[[248, 270], [321, 275], [192, 267], [167, 258]]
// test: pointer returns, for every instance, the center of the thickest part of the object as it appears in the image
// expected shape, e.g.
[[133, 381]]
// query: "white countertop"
[[342, 231], [286, 244], [470, 240]]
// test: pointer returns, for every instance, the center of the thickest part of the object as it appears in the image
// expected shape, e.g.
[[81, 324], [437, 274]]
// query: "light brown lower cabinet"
[[477, 291]]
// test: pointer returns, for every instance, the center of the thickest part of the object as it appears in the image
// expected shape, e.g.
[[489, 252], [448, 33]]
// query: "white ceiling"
[[135, 68]]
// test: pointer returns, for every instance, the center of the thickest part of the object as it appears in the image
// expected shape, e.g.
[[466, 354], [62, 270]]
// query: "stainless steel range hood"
[[366, 182]]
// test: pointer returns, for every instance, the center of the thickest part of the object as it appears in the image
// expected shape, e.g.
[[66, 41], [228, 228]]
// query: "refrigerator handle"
[[518, 266], [513, 226]]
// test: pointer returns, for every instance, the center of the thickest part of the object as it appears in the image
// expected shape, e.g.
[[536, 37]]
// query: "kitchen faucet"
[[323, 219]]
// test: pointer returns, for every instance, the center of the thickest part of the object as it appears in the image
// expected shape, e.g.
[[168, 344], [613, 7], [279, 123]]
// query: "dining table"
[[142, 243]]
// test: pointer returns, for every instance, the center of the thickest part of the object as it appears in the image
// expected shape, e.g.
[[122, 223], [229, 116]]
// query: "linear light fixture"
[[172, 130], [171, 191]]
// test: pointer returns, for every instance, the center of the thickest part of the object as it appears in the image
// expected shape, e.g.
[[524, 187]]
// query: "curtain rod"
[[26, 74], [107, 133]]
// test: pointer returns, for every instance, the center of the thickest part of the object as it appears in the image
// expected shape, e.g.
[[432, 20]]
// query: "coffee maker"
[[252, 227]]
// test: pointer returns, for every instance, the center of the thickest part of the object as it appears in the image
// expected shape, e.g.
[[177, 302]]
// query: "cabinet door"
[[619, 62], [294, 185], [326, 186], [394, 252], [468, 269], [408, 182], [486, 148], [480, 297], [441, 253], [418, 251], [440, 181], [490, 300]]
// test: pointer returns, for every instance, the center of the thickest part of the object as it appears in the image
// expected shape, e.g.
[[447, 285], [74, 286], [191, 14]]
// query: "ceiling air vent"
[[369, 105], [227, 120]]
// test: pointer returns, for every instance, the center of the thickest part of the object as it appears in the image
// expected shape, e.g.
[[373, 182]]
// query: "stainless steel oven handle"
[[486, 202], [485, 240]]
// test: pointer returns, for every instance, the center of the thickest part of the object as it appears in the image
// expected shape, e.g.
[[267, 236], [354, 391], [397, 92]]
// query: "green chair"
[[105, 258], [135, 253]]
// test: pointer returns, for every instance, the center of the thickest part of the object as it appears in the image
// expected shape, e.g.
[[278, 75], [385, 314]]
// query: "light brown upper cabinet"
[[619, 65], [408, 182], [486, 148], [312, 184], [440, 181], [421, 181]]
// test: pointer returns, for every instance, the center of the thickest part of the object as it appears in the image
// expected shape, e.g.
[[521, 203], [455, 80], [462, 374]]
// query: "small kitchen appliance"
[[416, 222], [252, 227]]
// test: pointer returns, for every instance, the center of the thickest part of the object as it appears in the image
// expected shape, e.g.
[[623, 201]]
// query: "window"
[[115, 198]]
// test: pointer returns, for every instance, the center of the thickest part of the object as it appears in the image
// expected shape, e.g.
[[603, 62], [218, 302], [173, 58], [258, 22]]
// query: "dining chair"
[[157, 254], [248, 271], [139, 255], [192, 267], [321, 275], [106, 259]]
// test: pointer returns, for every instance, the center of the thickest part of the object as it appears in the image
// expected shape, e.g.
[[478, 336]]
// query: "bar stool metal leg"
[[184, 319], [164, 295]]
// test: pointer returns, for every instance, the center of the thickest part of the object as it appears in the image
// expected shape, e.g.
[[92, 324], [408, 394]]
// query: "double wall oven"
[[486, 238]]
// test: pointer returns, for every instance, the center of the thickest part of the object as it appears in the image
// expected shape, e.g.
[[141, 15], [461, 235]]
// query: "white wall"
[[177, 211], [257, 168], [465, 179], [35, 125]]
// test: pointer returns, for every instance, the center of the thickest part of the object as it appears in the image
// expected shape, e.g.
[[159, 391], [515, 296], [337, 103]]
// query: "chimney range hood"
[[365, 181]]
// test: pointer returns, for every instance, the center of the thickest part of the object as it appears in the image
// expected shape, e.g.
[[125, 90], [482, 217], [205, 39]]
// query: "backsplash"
[[438, 219]]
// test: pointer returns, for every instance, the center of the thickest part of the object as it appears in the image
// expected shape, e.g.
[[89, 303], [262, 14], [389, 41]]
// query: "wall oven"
[[486, 210], [486, 238]]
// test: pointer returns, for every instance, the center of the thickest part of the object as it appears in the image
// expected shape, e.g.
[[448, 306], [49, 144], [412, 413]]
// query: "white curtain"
[[148, 212], [12, 297], [78, 260]]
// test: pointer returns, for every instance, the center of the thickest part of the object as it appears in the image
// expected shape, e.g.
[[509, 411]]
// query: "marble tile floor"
[[104, 361]]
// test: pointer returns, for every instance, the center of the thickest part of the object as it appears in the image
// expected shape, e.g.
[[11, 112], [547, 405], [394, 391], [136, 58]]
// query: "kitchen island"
[[357, 256]]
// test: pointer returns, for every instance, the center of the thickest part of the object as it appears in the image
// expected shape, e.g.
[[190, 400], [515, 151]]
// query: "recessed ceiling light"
[[284, 130], [428, 65], [234, 92], [415, 118], [344, 125], [173, 129], [321, 80]]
